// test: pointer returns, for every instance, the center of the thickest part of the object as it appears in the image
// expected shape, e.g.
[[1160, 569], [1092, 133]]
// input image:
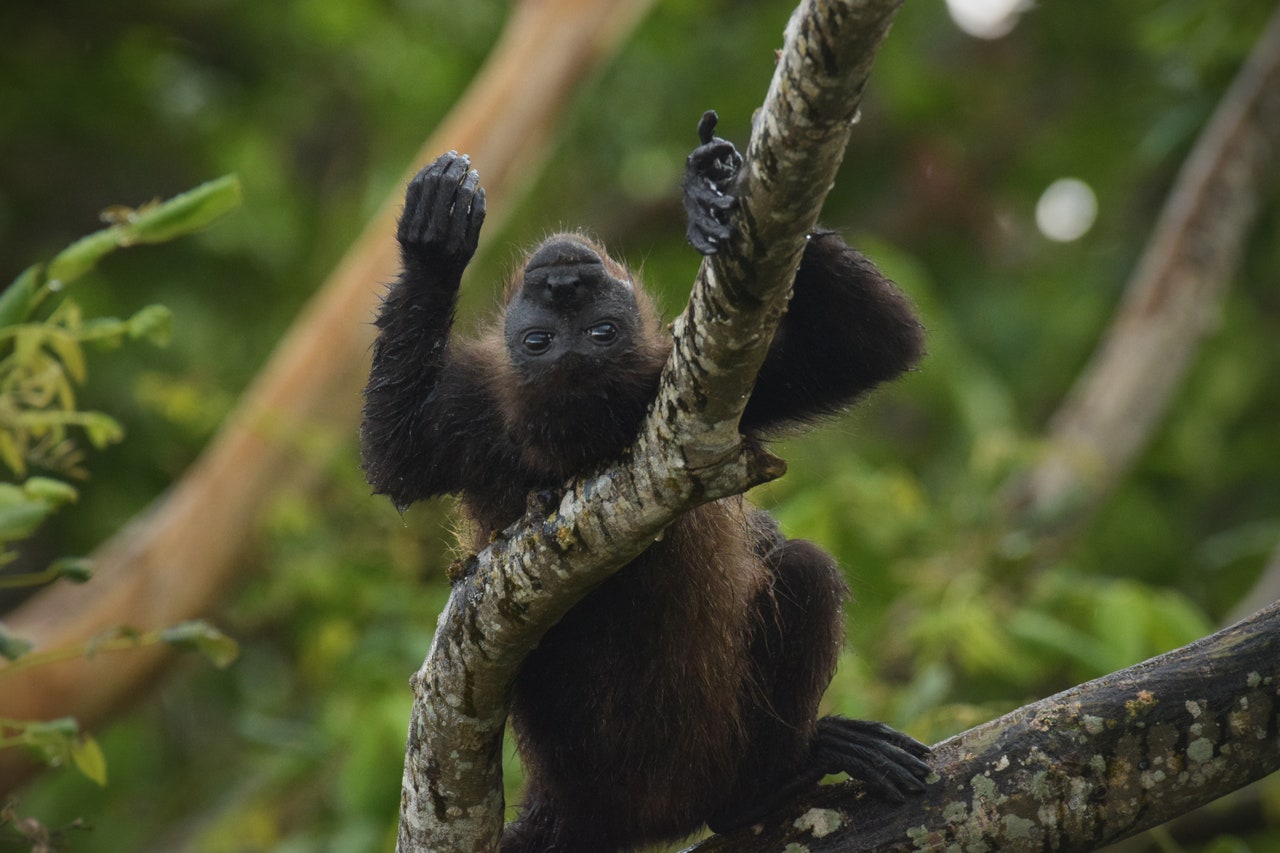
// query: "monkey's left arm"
[[847, 328]]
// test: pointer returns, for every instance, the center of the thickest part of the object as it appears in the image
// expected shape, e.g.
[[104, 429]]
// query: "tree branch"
[[1089, 766], [689, 450], [1172, 302]]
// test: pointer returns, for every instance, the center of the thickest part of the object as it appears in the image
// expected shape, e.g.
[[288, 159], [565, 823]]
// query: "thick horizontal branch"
[[1089, 766]]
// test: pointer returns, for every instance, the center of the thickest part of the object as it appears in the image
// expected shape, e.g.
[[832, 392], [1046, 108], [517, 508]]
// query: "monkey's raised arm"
[[408, 452]]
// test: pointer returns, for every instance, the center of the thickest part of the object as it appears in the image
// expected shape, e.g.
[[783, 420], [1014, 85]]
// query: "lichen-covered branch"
[[1089, 766], [797, 143], [689, 451]]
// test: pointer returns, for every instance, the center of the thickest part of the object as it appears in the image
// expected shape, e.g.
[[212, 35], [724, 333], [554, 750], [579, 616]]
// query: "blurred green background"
[[318, 107]]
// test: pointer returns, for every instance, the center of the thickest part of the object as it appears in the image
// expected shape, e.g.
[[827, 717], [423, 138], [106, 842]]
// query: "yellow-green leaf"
[[26, 343], [74, 569], [220, 649], [179, 215], [11, 647], [83, 255], [19, 519], [10, 454], [89, 759], [101, 429], [17, 299], [52, 492], [154, 322], [188, 212], [68, 350]]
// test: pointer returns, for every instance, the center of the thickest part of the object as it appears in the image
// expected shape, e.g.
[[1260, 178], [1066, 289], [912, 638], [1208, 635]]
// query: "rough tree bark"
[[689, 450], [1089, 766], [176, 560]]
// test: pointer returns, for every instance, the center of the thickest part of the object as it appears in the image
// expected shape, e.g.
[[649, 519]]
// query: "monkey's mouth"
[[569, 375]]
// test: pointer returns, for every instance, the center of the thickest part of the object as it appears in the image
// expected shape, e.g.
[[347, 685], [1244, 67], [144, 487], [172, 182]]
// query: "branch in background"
[[175, 560], [689, 450], [1094, 764], [1172, 302]]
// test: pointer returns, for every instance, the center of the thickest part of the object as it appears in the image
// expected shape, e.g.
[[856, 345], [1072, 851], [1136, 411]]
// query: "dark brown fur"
[[684, 690]]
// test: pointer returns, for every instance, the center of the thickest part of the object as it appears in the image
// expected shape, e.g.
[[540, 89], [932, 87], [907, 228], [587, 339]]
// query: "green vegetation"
[[42, 362], [318, 107]]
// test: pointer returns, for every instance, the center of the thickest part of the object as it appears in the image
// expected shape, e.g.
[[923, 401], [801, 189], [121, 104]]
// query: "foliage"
[[318, 106], [42, 362]]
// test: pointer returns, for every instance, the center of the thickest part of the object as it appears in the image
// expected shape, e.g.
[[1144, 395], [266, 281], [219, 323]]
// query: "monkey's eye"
[[603, 333], [537, 342]]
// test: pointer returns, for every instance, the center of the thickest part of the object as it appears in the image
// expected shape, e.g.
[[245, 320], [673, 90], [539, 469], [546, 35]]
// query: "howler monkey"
[[684, 689]]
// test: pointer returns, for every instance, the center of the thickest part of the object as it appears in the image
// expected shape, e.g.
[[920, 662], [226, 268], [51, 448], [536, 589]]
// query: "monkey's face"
[[571, 312]]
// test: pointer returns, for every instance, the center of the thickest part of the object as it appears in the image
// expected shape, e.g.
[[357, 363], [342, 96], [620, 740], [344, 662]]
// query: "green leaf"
[[11, 647], [18, 299], [188, 212], [26, 343], [19, 514], [104, 330], [54, 493], [154, 322], [69, 352], [53, 739], [1031, 626], [83, 255], [153, 223], [10, 454], [220, 649], [74, 569], [61, 727], [101, 429], [89, 760]]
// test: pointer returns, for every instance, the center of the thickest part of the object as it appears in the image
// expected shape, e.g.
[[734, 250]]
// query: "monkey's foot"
[[887, 761]]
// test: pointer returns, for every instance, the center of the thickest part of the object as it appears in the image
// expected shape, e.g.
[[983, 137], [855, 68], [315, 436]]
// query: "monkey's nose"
[[563, 284]]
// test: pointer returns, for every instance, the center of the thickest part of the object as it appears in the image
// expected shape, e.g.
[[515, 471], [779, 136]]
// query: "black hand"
[[707, 126], [443, 211], [709, 176]]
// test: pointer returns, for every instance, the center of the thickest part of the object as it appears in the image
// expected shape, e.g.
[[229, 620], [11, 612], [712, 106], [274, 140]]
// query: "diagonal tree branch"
[[1172, 303], [689, 451]]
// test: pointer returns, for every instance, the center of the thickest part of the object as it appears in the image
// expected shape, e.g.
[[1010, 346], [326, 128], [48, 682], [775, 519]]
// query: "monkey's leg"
[[543, 827], [798, 639], [532, 832]]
